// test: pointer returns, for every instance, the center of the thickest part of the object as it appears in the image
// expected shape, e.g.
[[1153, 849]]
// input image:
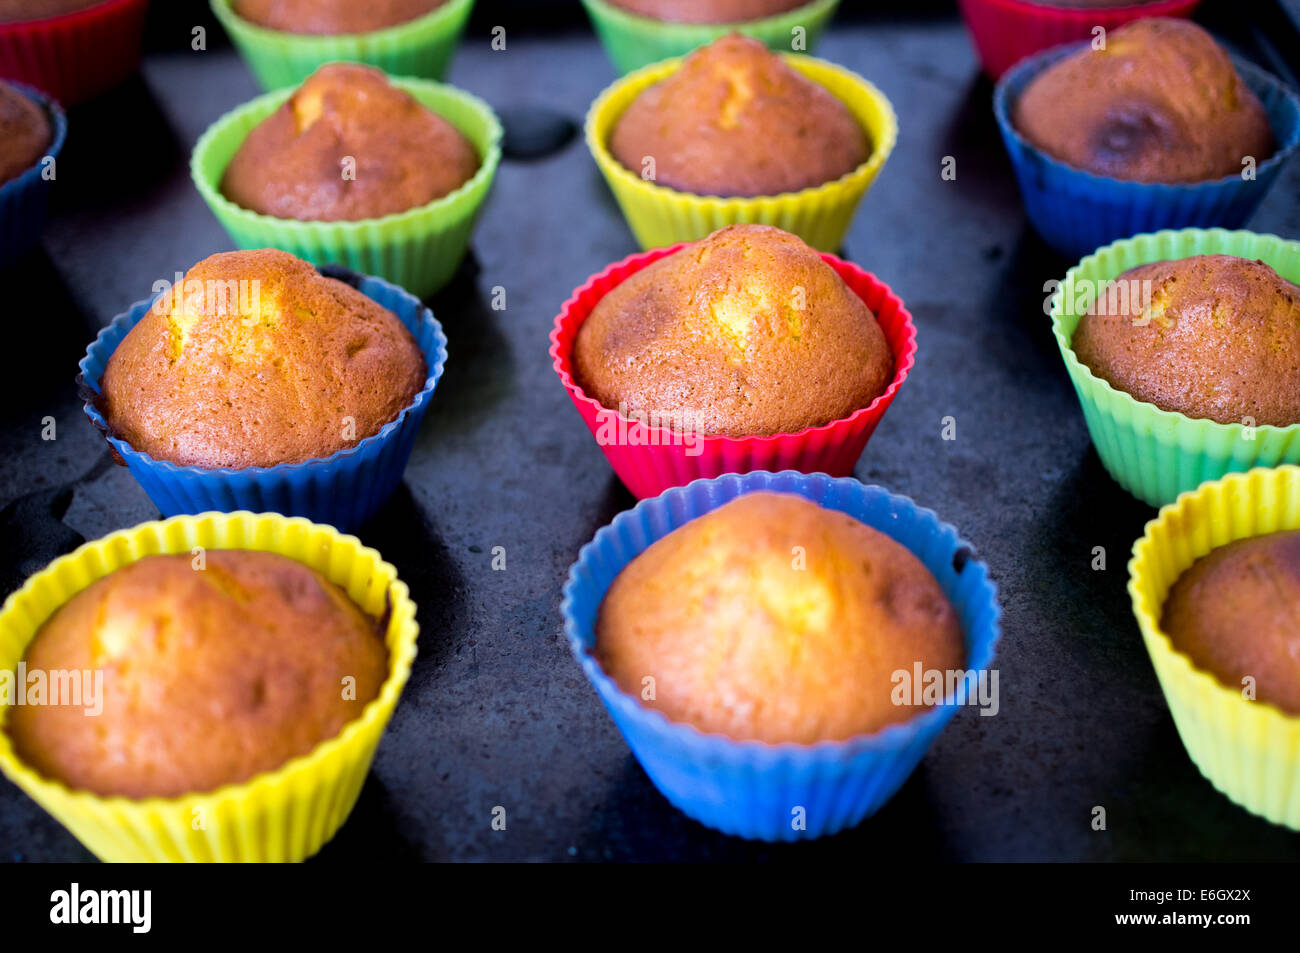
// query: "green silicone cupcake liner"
[[634, 41], [422, 47], [419, 249], [1156, 454]]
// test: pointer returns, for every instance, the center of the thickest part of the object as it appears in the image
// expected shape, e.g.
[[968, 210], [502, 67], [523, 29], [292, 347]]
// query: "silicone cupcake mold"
[[419, 249], [344, 489], [1006, 31], [422, 47], [820, 216], [1249, 750], [76, 56], [634, 41], [25, 201], [283, 815], [1075, 211], [749, 788], [649, 459], [1156, 454]]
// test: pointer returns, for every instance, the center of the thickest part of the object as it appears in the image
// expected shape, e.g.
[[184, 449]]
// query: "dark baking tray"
[[497, 712]]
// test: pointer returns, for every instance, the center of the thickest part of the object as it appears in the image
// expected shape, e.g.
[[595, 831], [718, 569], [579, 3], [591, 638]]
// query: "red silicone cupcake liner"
[[1006, 31], [650, 459], [76, 56]]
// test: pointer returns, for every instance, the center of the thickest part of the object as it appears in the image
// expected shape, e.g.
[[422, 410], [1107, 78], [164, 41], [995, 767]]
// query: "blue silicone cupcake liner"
[[25, 201], [344, 489], [1076, 212], [750, 788]]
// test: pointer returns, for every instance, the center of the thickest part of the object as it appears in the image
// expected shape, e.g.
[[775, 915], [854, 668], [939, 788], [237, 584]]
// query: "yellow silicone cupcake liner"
[[1249, 750], [821, 215], [283, 815]]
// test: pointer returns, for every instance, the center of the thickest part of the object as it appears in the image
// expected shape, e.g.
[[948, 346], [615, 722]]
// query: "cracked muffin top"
[[737, 120], [1211, 336], [745, 333], [347, 146], [257, 359]]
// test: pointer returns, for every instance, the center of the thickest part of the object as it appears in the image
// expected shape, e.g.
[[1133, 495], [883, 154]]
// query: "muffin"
[[1234, 614], [746, 333], [210, 675], [1214, 589], [348, 146], [14, 11], [25, 132], [774, 619], [736, 120], [254, 360], [1161, 103], [707, 11], [331, 17], [1212, 336]]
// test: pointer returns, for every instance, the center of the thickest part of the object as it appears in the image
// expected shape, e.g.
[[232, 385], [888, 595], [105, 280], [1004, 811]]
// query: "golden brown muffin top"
[[332, 16], [736, 120], [1161, 103], [12, 11], [348, 146], [25, 132], [1211, 336], [747, 332], [1236, 614], [708, 11], [256, 359], [209, 676], [772, 618]]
